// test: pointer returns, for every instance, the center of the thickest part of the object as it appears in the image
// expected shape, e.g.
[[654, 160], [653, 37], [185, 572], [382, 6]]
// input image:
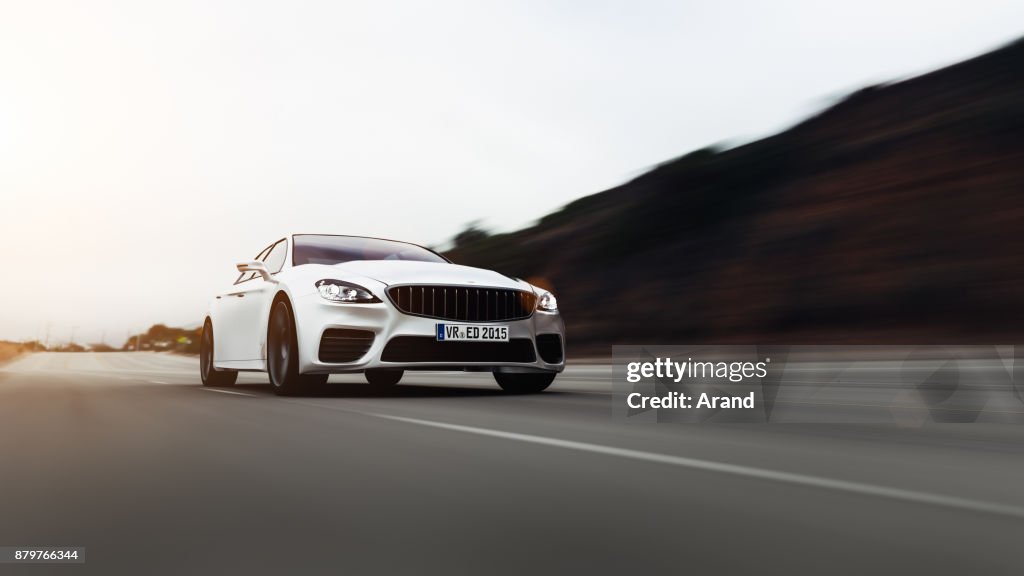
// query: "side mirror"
[[258, 267]]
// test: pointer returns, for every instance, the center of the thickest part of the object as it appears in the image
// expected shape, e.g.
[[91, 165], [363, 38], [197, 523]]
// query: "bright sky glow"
[[147, 146]]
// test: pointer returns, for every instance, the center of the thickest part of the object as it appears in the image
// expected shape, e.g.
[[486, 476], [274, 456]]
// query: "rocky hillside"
[[896, 215]]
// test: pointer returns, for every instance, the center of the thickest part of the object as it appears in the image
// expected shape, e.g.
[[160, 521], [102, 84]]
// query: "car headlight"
[[338, 291], [547, 302]]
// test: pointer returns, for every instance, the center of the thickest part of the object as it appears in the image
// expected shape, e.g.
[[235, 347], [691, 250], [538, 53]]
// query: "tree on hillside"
[[471, 234]]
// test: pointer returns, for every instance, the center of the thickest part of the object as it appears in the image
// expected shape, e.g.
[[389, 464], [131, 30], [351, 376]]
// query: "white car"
[[311, 305]]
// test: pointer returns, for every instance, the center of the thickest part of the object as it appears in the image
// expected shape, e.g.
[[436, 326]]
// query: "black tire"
[[383, 377], [209, 374], [524, 382], [283, 354]]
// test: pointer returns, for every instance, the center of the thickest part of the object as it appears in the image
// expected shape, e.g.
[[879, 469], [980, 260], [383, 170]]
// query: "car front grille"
[[428, 349], [465, 303], [344, 345]]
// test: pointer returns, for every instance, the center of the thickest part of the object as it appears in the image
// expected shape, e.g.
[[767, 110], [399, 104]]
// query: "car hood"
[[392, 272]]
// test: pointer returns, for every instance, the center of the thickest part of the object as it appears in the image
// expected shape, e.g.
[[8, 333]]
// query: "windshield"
[[324, 249]]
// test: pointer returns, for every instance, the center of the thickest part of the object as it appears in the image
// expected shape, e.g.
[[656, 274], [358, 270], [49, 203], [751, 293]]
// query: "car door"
[[233, 323]]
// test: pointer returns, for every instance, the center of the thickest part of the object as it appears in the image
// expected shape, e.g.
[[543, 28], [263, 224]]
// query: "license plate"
[[471, 333]]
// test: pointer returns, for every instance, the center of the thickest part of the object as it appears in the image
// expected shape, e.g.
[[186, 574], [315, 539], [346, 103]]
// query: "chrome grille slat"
[[472, 305]]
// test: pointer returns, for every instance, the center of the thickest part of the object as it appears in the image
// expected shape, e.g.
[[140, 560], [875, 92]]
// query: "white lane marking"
[[228, 392], [158, 382], [734, 469], [892, 406]]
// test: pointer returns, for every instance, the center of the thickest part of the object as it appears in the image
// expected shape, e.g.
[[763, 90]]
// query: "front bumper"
[[314, 316]]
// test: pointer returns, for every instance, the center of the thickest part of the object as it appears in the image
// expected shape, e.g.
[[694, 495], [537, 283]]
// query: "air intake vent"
[[427, 349], [464, 303], [550, 348], [344, 345]]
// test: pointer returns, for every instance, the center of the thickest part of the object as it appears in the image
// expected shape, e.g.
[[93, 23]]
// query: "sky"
[[145, 147]]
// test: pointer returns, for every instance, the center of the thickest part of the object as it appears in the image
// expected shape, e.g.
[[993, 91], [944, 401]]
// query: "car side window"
[[246, 276], [275, 259]]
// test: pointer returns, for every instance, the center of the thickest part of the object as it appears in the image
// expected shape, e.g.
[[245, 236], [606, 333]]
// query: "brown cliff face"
[[896, 216]]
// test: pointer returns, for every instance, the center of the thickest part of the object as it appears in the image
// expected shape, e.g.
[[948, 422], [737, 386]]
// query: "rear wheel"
[[524, 382], [209, 374], [383, 377], [283, 354]]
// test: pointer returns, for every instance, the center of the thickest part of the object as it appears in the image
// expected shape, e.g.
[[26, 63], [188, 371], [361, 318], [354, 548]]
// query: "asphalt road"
[[126, 455]]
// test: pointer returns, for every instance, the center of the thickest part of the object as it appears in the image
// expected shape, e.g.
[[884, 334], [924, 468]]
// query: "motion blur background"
[[733, 172], [864, 186]]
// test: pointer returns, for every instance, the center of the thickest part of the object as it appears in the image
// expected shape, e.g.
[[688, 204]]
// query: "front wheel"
[[283, 354], [524, 382], [209, 374]]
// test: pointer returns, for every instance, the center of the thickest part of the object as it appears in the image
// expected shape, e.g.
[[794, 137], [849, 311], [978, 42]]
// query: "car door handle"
[[239, 294]]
